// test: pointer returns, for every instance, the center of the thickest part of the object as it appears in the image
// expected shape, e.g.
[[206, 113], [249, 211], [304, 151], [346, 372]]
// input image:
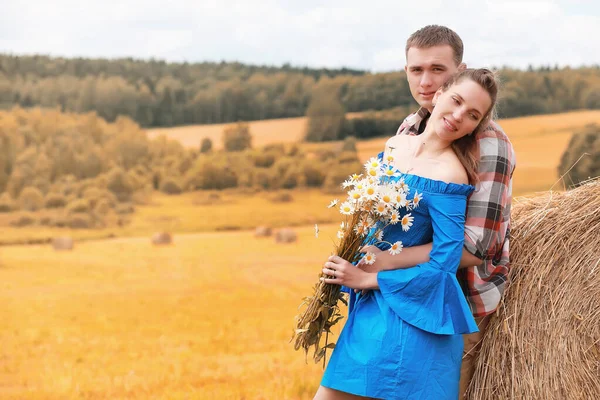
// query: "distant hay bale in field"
[[263, 231], [161, 238], [285, 235], [544, 341], [62, 243]]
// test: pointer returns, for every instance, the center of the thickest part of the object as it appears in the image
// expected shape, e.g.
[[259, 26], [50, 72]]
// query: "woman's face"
[[459, 109]]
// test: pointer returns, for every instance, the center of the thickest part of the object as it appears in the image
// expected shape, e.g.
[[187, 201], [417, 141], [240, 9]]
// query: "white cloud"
[[352, 33]]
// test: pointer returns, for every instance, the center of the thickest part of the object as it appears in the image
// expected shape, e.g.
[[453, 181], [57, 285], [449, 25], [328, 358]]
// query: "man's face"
[[427, 70]]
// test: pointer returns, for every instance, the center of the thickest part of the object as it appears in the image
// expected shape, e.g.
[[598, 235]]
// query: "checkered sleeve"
[[487, 227], [488, 210]]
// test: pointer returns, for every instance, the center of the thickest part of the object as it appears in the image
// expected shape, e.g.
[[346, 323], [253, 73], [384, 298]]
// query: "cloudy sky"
[[364, 34]]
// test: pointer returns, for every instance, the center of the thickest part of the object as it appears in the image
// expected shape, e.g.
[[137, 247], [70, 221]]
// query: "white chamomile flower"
[[401, 185], [396, 248], [379, 235], [380, 208], [355, 177], [400, 199], [407, 222], [355, 195], [333, 203], [373, 163], [342, 225], [370, 192], [346, 208], [316, 230], [340, 234], [390, 172], [369, 258], [360, 185], [387, 196], [367, 223], [360, 230], [394, 218], [373, 172], [347, 183], [417, 199], [389, 158]]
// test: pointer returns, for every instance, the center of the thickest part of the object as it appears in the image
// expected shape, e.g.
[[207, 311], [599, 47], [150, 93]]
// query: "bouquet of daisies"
[[375, 200]]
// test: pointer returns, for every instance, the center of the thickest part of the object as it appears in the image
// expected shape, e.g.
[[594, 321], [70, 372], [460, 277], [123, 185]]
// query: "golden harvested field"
[[194, 212], [285, 130], [209, 317]]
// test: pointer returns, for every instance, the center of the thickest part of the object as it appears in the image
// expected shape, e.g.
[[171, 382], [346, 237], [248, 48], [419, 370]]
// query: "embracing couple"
[[416, 318]]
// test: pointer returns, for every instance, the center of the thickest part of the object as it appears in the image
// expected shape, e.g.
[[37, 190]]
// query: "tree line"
[[157, 93]]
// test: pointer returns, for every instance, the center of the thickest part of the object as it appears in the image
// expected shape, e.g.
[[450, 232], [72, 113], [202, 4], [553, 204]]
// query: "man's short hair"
[[436, 35]]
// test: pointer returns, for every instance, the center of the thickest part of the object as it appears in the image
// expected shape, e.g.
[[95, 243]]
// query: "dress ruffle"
[[427, 298], [423, 184]]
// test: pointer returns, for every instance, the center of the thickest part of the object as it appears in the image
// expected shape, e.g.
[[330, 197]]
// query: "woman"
[[403, 336]]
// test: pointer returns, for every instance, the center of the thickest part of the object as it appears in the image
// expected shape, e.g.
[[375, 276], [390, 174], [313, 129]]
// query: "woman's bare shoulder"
[[398, 141], [451, 170]]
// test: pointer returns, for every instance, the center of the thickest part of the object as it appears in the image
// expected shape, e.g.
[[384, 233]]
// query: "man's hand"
[[344, 273]]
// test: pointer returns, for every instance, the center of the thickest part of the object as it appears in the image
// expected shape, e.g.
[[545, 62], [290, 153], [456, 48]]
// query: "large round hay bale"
[[62, 243], [544, 341], [285, 235], [263, 231], [161, 238]]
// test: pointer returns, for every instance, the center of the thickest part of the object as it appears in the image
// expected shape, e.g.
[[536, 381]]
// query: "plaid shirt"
[[487, 227]]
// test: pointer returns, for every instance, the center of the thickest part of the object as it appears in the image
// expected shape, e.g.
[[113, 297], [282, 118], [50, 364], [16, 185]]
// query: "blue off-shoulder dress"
[[404, 341]]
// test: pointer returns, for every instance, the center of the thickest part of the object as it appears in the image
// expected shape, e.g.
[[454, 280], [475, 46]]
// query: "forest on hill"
[[156, 93]]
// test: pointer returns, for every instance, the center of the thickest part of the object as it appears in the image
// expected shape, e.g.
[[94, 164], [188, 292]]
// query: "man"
[[433, 54]]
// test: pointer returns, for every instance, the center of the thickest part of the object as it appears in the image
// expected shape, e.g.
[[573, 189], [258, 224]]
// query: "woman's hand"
[[344, 273], [379, 263]]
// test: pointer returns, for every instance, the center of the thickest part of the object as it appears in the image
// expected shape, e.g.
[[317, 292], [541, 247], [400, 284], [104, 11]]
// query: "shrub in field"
[[31, 199], [582, 157], [170, 186], [275, 148], [55, 200], [80, 221], [46, 220], [102, 207], [293, 177], [264, 159], [119, 184], [338, 173], [349, 144], [293, 151], [7, 204], [78, 206], [237, 137], [23, 219], [206, 145], [208, 174], [314, 173], [262, 178]]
